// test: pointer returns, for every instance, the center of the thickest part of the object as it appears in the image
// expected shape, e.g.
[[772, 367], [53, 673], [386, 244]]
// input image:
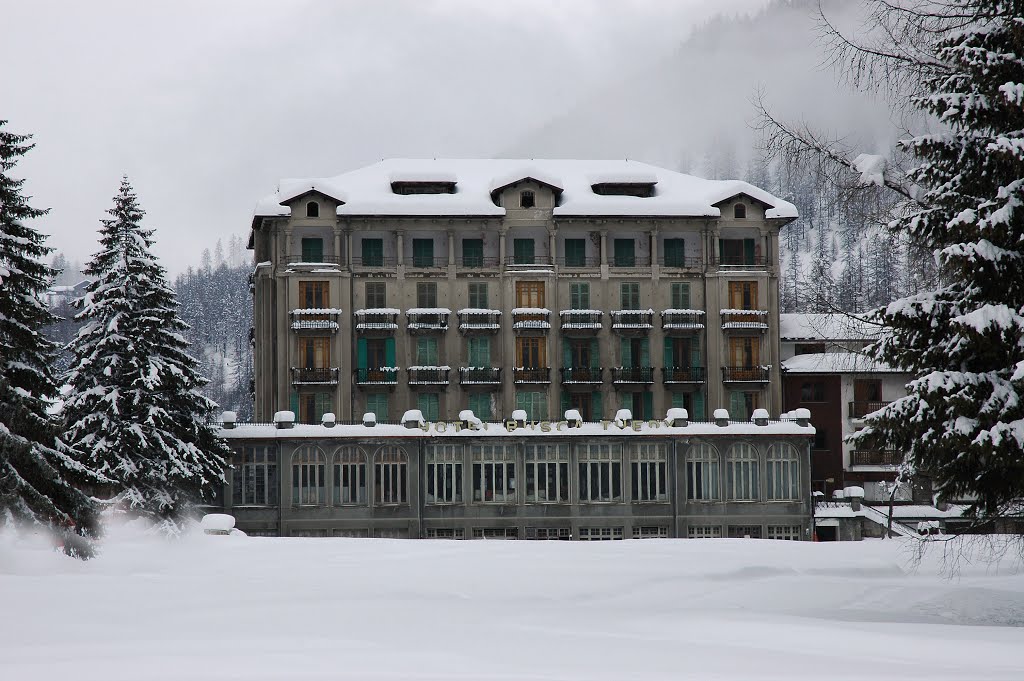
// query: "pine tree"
[[963, 420], [134, 403], [40, 479]]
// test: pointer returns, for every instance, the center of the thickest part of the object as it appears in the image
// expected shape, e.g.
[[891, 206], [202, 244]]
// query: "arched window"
[[741, 480], [391, 478], [308, 473], [312, 209], [349, 476], [739, 211], [782, 472], [444, 474], [527, 199], [702, 473]]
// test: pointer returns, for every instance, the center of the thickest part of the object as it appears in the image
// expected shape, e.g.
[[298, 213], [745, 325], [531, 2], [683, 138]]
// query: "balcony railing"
[[314, 376], [312, 260], [689, 262], [740, 262], [375, 261], [858, 409], [376, 319], [875, 457], [682, 320], [531, 374], [427, 319], [684, 375], [632, 320], [428, 375], [315, 319], [544, 261], [531, 318], [377, 376], [586, 261], [581, 374], [479, 320], [426, 262], [479, 375], [478, 262], [633, 375], [758, 374], [581, 320], [745, 319], [630, 261]]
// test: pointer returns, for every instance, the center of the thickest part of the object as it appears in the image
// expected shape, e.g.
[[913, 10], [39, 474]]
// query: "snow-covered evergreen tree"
[[963, 420], [134, 403], [39, 478]]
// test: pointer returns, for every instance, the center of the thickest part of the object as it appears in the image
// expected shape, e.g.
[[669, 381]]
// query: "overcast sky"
[[205, 105]]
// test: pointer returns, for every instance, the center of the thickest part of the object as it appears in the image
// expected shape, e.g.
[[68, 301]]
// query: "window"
[[743, 404], [600, 472], [472, 253], [349, 476], [649, 471], [373, 252], [308, 468], [480, 405], [744, 352], [635, 352], [625, 253], [744, 532], [575, 252], [534, 403], [704, 532], [445, 533], [549, 533], [426, 352], [495, 533], [314, 294], [494, 473], [423, 252], [531, 352], [314, 352], [579, 296], [376, 294], [784, 532], [312, 250], [810, 348], [680, 295], [738, 251], [600, 533], [782, 473], [812, 392], [682, 352], [426, 294], [444, 474], [527, 199], [428, 403], [702, 473], [312, 209], [820, 438], [391, 476], [741, 468], [867, 390], [581, 354], [378, 405], [693, 403], [479, 352], [739, 211], [743, 295], [629, 296], [529, 294], [547, 473], [313, 406], [254, 479], [675, 253], [522, 252], [478, 296], [374, 353], [650, 532]]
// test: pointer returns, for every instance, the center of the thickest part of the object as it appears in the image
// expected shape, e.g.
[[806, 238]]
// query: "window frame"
[[309, 476], [703, 473], [350, 469], [742, 472], [600, 473], [443, 482]]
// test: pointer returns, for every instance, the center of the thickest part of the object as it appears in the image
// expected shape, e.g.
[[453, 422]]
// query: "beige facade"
[[373, 308]]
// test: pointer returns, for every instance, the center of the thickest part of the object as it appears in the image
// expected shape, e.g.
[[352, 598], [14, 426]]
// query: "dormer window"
[[312, 209], [409, 188], [643, 190], [527, 199], [739, 211]]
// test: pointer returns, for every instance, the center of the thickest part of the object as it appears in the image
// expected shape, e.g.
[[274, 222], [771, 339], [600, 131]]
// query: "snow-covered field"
[[224, 608]]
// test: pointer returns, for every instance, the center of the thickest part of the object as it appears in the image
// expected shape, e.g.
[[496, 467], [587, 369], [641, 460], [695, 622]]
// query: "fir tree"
[[39, 476], [134, 403], [963, 420]]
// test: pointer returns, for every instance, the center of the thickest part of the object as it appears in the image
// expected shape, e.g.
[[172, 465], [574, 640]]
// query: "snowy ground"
[[223, 608]]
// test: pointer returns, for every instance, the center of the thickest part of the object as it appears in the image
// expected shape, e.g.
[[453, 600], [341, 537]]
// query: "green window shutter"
[[565, 405], [361, 353], [472, 252], [737, 406], [522, 250], [566, 353], [426, 351], [678, 401], [675, 252], [312, 250], [480, 352], [428, 404], [648, 405], [323, 404], [695, 352], [293, 403], [721, 250], [595, 353], [423, 252], [645, 352], [575, 252], [378, 404], [595, 406], [698, 406], [627, 355], [625, 252], [389, 351], [680, 295], [668, 356], [373, 252], [748, 251]]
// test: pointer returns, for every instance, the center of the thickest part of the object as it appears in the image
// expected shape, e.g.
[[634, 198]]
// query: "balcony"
[[632, 375], [427, 319], [375, 262], [682, 320], [586, 262], [581, 375], [740, 263], [758, 374], [671, 375], [478, 262], [474, 320], [875, 457], [314, 376], [320, 261], [690, 262], [377, 319], [531, 374], [315, 319], [385, 376], [428, 375], [479, 376], [619, 262], [744, 320], [536, 262], [581, 321], [531, 319], [637, 322], [860, 409], [426, 262]]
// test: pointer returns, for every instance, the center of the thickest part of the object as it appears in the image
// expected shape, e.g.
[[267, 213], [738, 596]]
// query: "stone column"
[[502, 247], [399, 251], [348, 247]]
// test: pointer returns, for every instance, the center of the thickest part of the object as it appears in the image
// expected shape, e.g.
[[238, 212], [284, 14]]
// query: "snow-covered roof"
[[835, 363], [367, 191], [825, 326]]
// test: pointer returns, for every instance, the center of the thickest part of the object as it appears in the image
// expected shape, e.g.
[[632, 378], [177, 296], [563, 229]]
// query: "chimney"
[[284, 419], [722, 417]]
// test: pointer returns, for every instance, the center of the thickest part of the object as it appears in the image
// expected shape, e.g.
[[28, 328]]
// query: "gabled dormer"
[[526, 193], [313, 203], [741, 208]]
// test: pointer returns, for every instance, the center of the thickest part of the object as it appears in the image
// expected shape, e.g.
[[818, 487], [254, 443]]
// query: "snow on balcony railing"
[[376, 319], [377, 376], [531, 374], [479, 319], [682, 319], [582, 319], [633, 375], [315, 318], [314, 376], [684, 374], [428, 375], [531, 318], [427, 318], [752, 374], [632, 319], [479, 375], [581, 375], [744, 319]]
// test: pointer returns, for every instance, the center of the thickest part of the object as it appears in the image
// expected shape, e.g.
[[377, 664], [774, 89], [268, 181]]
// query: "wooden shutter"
[[748, 251], [389, 352]]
